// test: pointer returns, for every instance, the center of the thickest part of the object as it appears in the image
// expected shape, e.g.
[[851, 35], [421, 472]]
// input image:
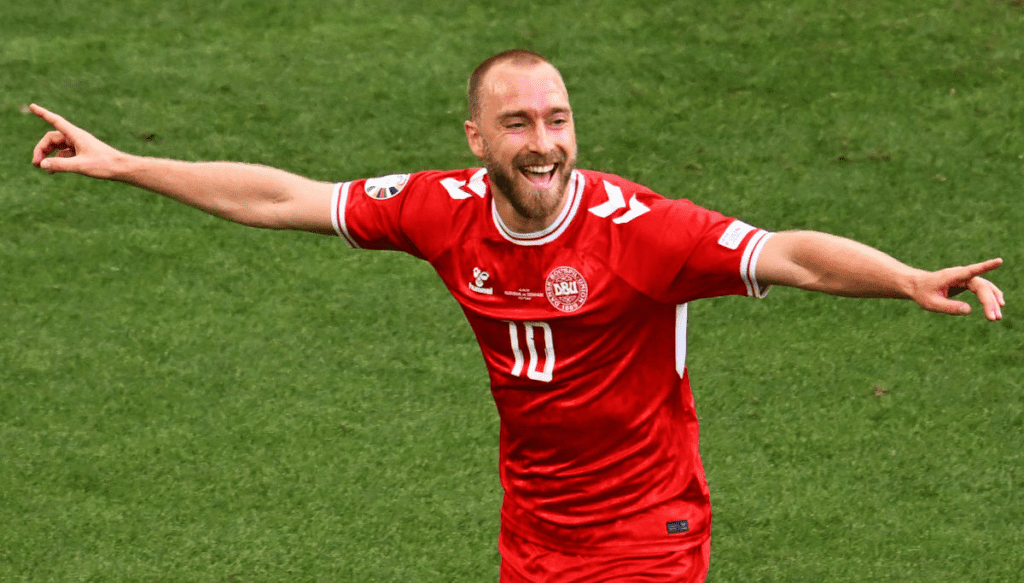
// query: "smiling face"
[[523, 131]]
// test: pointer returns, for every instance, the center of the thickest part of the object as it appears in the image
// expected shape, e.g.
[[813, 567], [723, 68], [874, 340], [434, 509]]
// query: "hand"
[[77, 150], [935, 288]]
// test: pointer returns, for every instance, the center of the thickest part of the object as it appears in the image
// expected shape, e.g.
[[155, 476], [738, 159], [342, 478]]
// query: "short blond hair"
[[514, 56]]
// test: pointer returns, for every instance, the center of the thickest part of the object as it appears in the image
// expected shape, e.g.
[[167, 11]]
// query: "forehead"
[[508, 87]]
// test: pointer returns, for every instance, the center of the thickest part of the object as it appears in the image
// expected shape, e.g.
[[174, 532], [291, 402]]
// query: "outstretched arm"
[[249, 194], [826, 263]]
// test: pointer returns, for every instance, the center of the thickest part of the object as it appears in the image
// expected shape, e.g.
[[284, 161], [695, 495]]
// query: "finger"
[[58, 122], [54, 142], [999, 293], [990, 296], [58, 164], [66, 160], [977, 269], [978, 282], [51, 142], [951, 307], [990, 303]]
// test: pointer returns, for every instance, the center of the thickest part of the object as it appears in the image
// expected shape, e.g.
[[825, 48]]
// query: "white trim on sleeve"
[[338, 202], [748, 265]]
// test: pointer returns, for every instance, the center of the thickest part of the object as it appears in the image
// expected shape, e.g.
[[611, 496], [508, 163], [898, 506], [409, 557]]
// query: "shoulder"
[[625, 202], [457, 184], [638, 222], [602, 181], [420, 191], [411, 212], [670, 250]]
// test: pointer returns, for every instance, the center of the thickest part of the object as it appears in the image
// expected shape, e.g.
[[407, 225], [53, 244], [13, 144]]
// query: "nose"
[[540, 139]]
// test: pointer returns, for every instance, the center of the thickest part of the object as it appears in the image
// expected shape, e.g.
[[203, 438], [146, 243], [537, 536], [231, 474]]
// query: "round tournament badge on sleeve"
[[385, 187], [566, 289]]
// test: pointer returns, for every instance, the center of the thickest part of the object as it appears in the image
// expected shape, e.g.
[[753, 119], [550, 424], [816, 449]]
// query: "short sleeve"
[[680, 252], [412, 213]]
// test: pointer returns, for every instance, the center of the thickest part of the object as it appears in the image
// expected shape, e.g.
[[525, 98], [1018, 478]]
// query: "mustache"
[[555, 157]]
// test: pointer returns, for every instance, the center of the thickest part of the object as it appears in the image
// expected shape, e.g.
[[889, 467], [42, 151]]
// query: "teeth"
[[540, 169]]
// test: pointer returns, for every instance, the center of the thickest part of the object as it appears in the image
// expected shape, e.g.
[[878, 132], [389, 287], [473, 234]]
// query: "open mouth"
[[540, 176]]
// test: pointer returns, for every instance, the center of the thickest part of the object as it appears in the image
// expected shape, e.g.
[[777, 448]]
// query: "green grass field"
[[182, 399]]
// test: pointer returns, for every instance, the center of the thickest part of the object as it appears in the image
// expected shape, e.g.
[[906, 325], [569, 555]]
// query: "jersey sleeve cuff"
[[748, 265], [339, 200]]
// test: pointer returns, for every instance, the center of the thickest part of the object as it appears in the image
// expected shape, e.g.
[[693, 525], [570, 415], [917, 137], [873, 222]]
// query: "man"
[[576, 285]]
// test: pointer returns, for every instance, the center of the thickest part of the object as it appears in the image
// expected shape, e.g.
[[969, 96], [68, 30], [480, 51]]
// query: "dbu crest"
[[566, 289]]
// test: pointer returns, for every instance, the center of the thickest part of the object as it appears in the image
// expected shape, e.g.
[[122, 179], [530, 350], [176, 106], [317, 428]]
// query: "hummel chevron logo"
[[457, 189], [616, 201]]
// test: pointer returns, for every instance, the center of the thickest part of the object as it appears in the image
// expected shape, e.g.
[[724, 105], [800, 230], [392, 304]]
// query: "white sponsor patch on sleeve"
[[734, 235]]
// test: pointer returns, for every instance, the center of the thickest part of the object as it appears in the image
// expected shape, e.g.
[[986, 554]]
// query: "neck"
[[524, 218], [518, 222]]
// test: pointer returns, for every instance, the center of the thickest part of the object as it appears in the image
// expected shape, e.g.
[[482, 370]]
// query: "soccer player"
[[576, 285]]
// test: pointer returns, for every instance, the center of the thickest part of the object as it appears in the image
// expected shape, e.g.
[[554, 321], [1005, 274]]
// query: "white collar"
[[575, 193]]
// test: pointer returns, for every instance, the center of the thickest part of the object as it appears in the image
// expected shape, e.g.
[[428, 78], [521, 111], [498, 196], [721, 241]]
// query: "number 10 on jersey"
[[531, 333]]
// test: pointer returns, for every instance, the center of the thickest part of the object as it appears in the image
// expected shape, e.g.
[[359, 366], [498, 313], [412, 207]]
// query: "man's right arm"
[[249, 194]]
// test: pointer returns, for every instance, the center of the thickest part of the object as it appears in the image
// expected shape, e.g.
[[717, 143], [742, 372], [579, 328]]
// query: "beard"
[[528, 200]]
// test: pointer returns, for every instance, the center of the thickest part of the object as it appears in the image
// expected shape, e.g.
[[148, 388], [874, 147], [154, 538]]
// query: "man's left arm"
[[820, 262]]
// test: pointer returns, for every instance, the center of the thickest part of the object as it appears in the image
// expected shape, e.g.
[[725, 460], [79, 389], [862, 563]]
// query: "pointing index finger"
[[984, 267], [51, 118], [964, 274]]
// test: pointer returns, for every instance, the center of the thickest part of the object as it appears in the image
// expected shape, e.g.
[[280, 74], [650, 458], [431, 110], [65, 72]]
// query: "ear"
[[475, 140]]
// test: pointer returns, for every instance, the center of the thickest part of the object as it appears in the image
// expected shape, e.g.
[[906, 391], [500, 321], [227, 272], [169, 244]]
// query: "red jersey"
[[583, 330]]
